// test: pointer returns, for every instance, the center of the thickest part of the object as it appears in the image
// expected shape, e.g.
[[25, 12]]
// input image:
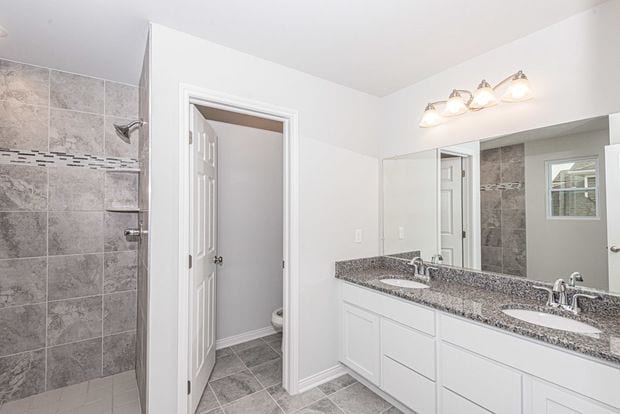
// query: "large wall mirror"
[[540, 204]]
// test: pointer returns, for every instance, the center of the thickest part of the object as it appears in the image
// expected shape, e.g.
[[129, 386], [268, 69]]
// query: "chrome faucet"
[[559, 290], [574, 278], [557, 297], [418, 266]]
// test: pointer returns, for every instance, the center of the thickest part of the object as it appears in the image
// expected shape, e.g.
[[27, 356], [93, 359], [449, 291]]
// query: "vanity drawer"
[[490, 385], [407, 386], [410, 348], [452, 403], [415, 316]]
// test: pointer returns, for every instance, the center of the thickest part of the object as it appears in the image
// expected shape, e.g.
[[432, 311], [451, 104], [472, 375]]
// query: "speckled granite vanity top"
[[482, 297]]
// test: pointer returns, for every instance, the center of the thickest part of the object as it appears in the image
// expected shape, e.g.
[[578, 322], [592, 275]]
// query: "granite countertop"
[[465, 294]]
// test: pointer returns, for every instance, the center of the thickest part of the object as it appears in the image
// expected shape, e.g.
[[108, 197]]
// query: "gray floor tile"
[[246, 345], [273, 338], [226, 365], [216, 411], [269, 373], [324, 406], [276, 346], [235, 386], [223, 352], [337, 384], [257, 355], [208, 402], [291, 403], [357, 399], [392, 410], [259, 403]]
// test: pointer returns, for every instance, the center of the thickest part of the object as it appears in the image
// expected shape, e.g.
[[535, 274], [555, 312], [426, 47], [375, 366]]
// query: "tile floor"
[[116, 394], [247, 379]]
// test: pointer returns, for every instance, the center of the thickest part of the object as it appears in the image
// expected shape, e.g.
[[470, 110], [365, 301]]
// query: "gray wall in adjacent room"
[[250, 223]]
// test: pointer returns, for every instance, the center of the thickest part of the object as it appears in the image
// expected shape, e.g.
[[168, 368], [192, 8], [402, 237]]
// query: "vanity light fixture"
[[484, 96]]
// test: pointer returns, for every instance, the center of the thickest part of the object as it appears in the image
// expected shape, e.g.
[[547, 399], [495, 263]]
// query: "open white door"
[[451, 200], [612, 180], [203, 222]]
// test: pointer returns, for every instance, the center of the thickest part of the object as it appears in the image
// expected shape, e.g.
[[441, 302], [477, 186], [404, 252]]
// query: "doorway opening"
[[240, 173], [236, 245], [455, 208]]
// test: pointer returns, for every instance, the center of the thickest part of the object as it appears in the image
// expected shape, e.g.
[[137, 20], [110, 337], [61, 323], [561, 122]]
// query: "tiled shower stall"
[[68, 190]]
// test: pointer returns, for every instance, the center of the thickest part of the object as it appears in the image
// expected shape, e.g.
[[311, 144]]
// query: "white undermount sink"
[[404, 283], [550, 320]]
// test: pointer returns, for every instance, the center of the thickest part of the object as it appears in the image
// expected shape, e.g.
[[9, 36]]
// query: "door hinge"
[[464, 234], [283, 264], [189, 387], [462, 173], [190, 261], [191, 137]]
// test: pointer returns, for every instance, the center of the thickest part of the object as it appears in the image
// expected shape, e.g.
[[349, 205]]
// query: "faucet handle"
[[550, 297], [574, 306]]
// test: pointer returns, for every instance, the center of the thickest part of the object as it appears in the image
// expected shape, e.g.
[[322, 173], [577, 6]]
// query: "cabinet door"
[[549, 399], [360, 342]]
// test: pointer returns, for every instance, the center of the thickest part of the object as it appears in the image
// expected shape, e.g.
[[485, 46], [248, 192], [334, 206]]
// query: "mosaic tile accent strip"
[[501, 186], [62, 159]]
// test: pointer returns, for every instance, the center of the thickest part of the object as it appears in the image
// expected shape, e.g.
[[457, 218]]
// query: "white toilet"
[[277, 319]]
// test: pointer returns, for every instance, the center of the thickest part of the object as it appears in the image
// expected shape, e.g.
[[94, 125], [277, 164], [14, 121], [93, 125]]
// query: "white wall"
[[411, 203], [558, 247], [338, 130], [339, 195], [250, 222], [572, 65]]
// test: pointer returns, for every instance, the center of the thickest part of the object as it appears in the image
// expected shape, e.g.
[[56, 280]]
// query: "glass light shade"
[[431, 117], [455, 105], [484, 97], [518, 90]]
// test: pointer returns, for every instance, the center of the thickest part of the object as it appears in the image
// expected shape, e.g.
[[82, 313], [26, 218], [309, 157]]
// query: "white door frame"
[[190, 94]]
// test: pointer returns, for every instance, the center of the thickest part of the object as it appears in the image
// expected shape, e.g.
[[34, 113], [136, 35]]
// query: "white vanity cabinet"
[[433, 362], [360, 342]]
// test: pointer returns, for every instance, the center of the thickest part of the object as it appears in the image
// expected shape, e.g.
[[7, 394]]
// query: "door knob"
[[218, 260], [614, 249]]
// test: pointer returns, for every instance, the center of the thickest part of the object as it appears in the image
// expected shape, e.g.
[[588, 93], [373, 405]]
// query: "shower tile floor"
[[247, 379], [116, 394]]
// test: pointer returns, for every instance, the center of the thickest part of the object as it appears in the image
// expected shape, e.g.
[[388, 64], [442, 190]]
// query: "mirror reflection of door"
[[451, 206]]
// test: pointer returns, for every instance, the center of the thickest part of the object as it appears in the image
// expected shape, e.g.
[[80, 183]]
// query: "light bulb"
[[519, 89], [484, 96], [431, 117], [455, 105]]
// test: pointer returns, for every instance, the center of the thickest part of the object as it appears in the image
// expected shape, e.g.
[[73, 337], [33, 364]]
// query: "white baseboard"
[[321, 377], [244, 337]]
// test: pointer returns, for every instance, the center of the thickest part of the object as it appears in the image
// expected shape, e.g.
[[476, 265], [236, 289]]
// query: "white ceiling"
[[376, 46]]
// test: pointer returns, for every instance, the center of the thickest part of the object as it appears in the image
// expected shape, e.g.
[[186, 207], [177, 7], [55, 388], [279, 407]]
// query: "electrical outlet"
[[401, 233], [358, 235]]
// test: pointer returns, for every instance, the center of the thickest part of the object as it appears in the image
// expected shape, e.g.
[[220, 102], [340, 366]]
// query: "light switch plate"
[[358, 235]]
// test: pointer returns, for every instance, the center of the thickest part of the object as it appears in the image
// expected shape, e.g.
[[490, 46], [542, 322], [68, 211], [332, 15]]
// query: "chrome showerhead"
[[123, 131]]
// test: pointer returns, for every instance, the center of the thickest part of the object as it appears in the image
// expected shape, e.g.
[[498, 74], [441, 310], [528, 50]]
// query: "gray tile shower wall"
[[67, 276], [502, 210]]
